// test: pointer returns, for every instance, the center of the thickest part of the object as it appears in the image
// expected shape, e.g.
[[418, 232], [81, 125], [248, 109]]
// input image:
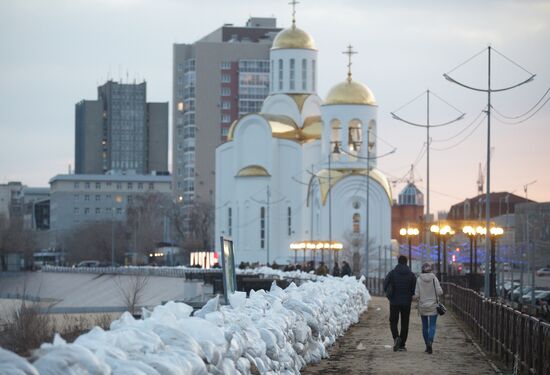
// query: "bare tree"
[[131, 290], [94, 240], [201, 224], [354, 249], [145, 220], [15, 238]]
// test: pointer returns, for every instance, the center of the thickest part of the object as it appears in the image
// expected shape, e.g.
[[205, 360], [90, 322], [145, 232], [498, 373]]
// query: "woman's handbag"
[[441, 309]]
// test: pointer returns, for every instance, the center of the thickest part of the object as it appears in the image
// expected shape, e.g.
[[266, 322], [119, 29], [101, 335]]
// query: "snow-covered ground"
[[279, 331]]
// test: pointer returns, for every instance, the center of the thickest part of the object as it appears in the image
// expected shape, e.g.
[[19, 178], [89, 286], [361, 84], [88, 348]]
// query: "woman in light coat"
[[427, 285]]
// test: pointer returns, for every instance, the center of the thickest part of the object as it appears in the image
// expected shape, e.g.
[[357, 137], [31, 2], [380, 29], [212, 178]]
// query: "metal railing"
[[520, 340]]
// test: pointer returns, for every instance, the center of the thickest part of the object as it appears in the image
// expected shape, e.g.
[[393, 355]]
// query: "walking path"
[[367, 348]]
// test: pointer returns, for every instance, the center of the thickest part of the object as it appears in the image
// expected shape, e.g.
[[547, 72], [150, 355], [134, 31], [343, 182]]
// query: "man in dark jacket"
[[346, 269], [401, 282]]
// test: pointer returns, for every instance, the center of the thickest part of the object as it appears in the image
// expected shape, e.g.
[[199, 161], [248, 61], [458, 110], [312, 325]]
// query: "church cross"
[[350, 52], [293, 3]]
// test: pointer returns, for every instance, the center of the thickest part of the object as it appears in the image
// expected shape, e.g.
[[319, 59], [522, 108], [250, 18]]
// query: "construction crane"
[[408, 178], [526, 186]]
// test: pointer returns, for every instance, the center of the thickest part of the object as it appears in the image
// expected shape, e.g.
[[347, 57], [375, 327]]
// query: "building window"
[[97, 197], [87, 198], [225, 65], [272, 83], [225, 131], [262, 227], [118, 186], [86, 211], [229, 223], [109, 184], [280, 74], [304, 74], [140, 186], [109, 210], [226, 119], [292, 73], [87, 185], [226, 91], [118, 211], [336, 128], [356, 223], [289, 220], [130, 199], [313, 75], [151, 185], [98, 185], [355, 136], [226, 78], [76, 185], [130, 186], [226, 105], [97, 210]]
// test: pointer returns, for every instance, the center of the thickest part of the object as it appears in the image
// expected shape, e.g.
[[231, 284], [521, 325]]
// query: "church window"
[[304, 74], [335, 138], [289, 215], [355, 139], [272, 83], [280, 74], [313, 75], [229, 219], [292, 73], [262, 227], [371, 135], [356, 223]]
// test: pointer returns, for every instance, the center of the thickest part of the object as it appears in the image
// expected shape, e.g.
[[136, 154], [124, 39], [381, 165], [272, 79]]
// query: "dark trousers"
[[395, 311]]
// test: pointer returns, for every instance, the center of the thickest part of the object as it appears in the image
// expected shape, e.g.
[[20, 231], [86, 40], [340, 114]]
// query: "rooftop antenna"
[[526, 186], [488, 90]]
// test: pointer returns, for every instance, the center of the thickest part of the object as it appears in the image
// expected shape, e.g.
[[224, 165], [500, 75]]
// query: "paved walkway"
[[367, 348]]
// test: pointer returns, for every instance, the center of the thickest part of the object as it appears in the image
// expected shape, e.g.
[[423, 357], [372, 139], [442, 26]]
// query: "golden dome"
[[293, 37], [350, 92]]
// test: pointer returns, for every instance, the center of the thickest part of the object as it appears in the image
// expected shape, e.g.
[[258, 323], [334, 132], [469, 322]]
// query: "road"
[[367, 349]]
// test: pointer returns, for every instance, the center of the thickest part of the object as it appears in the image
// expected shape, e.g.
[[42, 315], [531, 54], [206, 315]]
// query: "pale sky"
[[55, 53]]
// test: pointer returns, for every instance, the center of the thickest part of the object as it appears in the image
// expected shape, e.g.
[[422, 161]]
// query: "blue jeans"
[[428, 327]]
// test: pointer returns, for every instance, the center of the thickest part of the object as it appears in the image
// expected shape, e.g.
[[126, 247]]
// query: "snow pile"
[[275, 273], [273, 332]]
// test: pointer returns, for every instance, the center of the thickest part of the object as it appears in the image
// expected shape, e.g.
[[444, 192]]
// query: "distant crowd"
[[309, 267]]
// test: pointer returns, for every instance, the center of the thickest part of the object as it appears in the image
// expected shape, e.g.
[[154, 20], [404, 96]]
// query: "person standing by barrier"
[[399, 286], [427, 291]]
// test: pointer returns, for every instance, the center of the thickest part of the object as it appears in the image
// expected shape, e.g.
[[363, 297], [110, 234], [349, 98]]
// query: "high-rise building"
[[217, 80], [121, 132]]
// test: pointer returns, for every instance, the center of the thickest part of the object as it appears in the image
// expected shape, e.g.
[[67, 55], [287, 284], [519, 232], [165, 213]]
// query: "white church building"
[[297, 171]]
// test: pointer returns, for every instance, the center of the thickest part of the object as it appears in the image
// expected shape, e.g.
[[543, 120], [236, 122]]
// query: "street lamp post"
[[494, 233], [118, 199], [435, 230], [471, 233], [409, 233], [442, 233]]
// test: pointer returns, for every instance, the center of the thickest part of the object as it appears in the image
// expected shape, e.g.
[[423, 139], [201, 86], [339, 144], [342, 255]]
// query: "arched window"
[[304, 74], [272, 83], [313, 75], [371, 136], [355, 138], [356, 223], [262, 227], [280, 74], [292, 73], [335, 134]]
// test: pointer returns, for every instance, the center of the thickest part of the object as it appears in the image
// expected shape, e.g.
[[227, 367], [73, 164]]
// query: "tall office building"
[[217, 80], [121, 132]]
